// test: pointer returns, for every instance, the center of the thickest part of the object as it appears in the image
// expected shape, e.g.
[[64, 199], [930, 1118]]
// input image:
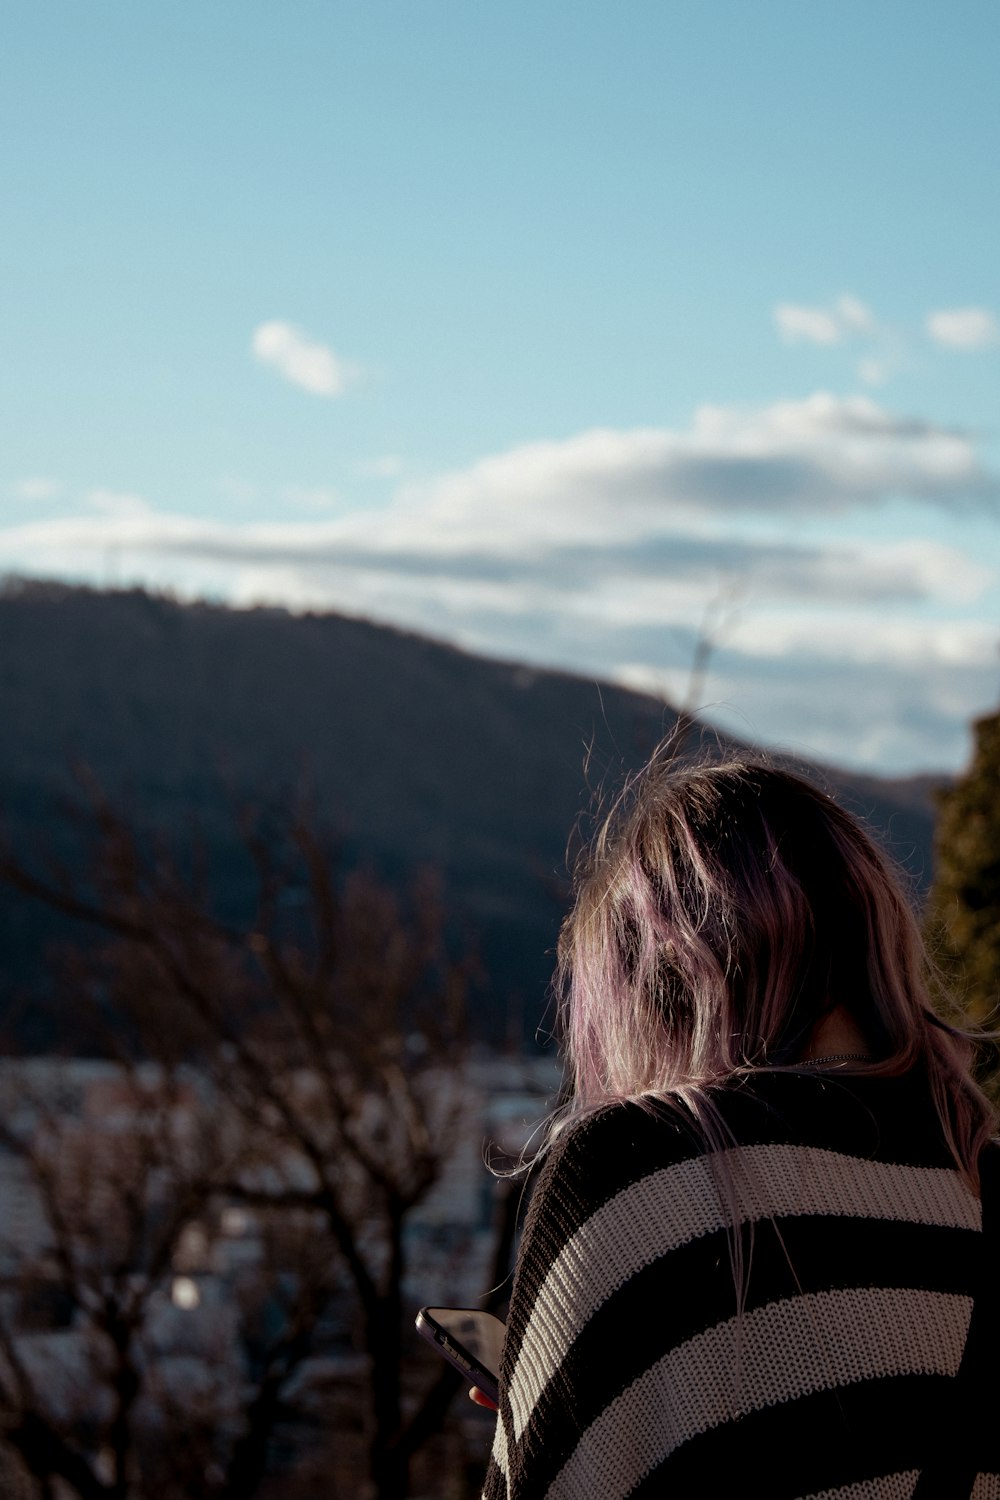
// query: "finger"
[[481, 1399]]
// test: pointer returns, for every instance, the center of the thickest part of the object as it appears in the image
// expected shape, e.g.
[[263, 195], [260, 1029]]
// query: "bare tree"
[[331, 1029], [720, 615], [138, 1391]]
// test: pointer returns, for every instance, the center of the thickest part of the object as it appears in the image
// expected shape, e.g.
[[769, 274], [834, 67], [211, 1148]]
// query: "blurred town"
[[138, 1302]]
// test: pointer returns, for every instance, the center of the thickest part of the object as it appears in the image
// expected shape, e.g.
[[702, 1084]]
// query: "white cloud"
[[872, 371], [37, 488], [846, 320], [629, 509], [812, 324], [823, 325], [388, 466], [118, 507], [897, 716], [868, 637], [602, 549], [300, 359], [623, 581], [964, 327], [311, 498], [854, 314], [234, 487], [820, 456], [856, 688]]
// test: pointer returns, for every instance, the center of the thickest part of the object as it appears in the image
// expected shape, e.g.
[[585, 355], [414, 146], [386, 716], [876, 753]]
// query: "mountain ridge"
[[417, 752]]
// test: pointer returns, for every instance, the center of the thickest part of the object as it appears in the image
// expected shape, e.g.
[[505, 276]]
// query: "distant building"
[[450, 1234]]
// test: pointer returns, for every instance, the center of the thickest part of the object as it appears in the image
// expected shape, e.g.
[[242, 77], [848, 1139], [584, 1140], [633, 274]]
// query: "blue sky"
[[552, 329]]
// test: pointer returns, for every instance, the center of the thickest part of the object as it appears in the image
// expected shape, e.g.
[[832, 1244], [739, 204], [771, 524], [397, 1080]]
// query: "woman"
[[755, 1243]]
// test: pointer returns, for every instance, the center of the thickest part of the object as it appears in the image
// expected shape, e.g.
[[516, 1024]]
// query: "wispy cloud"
[[119, 507], [853, 314], [900, 572], [849, 322], [873, 371], [964, 327], [311, 499], [823, 325], [810, 325], [36, 487], [599, 552], [819, 456], [640, 504], [301, 359], [892, 708], [388, 466]]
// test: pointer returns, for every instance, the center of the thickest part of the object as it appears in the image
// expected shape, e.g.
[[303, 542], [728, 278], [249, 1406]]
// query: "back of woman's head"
[[722, 912]]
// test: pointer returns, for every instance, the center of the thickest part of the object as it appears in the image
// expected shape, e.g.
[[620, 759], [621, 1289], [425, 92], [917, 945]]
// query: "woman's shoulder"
[[592, 1159], [871, 1116], [642, 1131], [661, 1130], [628, 1148]]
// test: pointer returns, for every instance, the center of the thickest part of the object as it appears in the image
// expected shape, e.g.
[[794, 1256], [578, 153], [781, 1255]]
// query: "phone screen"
[[470, 1339]]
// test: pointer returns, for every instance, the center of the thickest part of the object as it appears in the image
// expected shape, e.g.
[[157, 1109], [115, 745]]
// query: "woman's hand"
[[481, 1399]]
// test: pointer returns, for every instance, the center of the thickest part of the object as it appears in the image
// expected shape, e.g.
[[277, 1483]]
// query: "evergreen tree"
[[964, 906]]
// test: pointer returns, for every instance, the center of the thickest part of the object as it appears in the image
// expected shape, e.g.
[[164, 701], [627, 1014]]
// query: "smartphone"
[[470, 1339]]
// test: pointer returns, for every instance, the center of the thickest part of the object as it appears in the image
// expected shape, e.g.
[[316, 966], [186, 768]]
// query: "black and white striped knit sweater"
[[626, 1371]]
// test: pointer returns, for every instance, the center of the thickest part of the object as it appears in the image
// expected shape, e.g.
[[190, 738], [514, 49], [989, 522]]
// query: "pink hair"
[[722, 911]]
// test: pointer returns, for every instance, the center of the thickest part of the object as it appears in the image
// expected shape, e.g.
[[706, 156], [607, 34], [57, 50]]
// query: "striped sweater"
[[626, 1368]]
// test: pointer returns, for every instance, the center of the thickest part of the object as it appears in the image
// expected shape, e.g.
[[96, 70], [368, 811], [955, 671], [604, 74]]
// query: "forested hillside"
[[415, 753]]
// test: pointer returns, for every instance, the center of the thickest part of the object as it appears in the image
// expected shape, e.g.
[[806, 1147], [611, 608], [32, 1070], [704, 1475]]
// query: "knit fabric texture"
[[630, 1367]]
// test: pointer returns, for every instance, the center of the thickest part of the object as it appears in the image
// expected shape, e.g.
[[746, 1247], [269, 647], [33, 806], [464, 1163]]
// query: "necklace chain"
[[839, 1057]]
